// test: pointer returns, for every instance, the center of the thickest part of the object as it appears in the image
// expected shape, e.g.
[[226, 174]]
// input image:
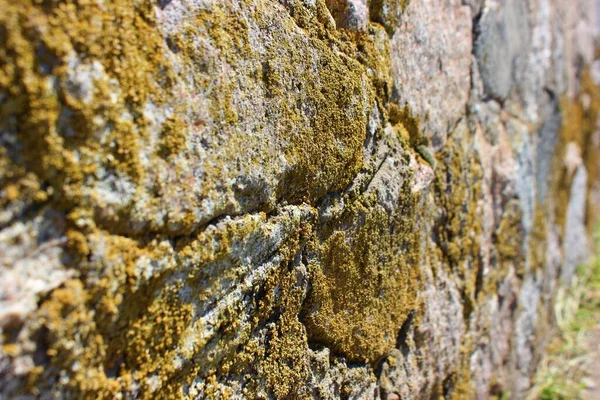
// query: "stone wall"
[[290, 198]]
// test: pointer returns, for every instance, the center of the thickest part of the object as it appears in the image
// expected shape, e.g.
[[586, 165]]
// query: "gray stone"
[[431, 61], [576, 248], [500, 40]]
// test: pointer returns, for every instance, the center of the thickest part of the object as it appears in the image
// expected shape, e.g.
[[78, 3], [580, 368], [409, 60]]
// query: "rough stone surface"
[[501, 32], [431, 64], [358, 199]]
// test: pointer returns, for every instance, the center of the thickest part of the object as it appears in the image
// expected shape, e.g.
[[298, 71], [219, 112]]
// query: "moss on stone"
[[119, 329], [173, 137], [78, 77], [508, 240], [459, 384], [387, 12], [73, 345], [579, 126], [285, 365], [458, 228], [364, 279], [318, 99]]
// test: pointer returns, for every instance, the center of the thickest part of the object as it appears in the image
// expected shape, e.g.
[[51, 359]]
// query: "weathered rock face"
[[292, 198]]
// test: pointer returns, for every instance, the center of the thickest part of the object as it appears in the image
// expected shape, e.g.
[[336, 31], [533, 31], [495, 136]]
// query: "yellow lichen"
[[58, 121], [131, 321], [387, 12], [365, 279], [458, 228], [579, 126]]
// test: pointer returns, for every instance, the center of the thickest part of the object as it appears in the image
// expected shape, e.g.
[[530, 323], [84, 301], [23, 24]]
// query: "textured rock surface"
[[290, 199]]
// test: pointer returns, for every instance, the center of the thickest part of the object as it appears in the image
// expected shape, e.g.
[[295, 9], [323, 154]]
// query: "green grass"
[[562, 374]]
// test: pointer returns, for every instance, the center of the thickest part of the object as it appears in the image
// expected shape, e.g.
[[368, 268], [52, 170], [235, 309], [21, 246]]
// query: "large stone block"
[[290, 199]]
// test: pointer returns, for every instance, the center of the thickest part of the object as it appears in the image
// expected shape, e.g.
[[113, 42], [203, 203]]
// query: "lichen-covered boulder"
[[365, 199]]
